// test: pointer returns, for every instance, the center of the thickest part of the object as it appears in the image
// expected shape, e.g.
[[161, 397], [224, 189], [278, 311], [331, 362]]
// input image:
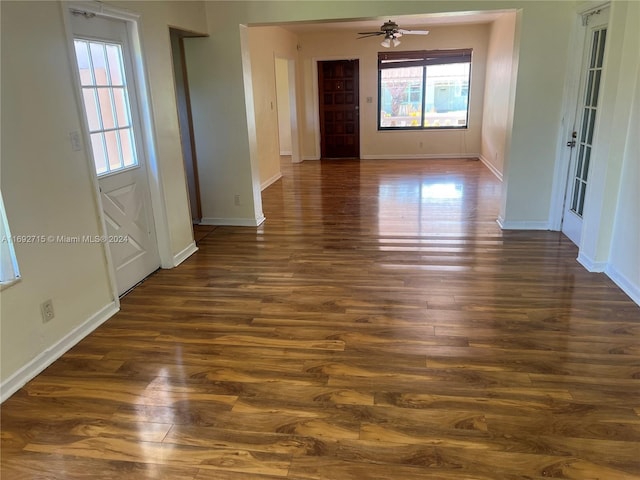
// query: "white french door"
[[582, 141], [108, 92]]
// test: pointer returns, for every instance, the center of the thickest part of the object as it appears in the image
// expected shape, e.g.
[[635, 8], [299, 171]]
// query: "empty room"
[[320, 240]]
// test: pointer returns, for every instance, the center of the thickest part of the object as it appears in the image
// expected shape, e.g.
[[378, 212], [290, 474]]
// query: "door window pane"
[[99, 62], [106, 103], [120, 103], [114, 56], [84, 65], [106, 110], [113, 150], [99, 156], [587, 129], [126, 142], [91, 108]]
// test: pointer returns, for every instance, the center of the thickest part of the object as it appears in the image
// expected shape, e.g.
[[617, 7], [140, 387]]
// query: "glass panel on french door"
[[106, 103], [588, 121]]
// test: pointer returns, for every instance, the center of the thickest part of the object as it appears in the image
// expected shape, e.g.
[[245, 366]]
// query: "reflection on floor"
[[378, 325]]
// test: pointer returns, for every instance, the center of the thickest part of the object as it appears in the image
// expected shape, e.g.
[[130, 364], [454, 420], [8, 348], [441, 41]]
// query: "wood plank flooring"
[[378, 325]]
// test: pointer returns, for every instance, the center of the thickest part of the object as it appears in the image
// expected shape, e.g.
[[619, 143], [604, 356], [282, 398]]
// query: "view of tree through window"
[[424, 89]]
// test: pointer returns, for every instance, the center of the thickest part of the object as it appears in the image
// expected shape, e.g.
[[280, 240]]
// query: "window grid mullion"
[[424, 95], [119, 145], [107, 130], [94, 87], [105, 152]]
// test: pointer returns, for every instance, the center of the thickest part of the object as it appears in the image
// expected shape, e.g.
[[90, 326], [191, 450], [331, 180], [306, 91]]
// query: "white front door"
[[109, 98], [584, 125]]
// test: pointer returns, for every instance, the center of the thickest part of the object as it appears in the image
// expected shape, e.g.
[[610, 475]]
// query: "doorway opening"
[[114, 129], [185, 120]]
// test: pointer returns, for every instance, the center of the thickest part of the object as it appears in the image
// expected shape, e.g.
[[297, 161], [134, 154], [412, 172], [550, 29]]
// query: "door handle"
[[571, 143]]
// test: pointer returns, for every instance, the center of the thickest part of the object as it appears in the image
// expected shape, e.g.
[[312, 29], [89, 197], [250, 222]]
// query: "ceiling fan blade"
[[371, 33], [413, 32]]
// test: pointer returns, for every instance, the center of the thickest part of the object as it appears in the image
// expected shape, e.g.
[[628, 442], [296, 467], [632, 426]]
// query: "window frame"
[[119, 148], [422, 58], [9, 269]]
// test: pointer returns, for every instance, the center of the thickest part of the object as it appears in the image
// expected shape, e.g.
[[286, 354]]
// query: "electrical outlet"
[[46, 308], [236, 200]]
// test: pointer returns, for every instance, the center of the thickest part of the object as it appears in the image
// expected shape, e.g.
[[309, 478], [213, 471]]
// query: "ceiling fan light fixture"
[[391, 33]]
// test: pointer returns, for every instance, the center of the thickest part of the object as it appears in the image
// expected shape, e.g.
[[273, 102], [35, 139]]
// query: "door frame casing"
[[316, 101], [179, 35], [570, 109], [147, 133]]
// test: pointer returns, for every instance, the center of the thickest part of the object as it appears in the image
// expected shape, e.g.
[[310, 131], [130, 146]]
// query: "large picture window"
[[420, 90]]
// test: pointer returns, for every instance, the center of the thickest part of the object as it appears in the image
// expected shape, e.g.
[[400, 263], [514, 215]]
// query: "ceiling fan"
[[391, 33]]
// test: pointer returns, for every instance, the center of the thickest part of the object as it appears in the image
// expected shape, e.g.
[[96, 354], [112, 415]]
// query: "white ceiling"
[[408, 22]]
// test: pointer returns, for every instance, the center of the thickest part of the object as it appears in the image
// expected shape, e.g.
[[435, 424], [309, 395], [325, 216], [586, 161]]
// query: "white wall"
[[498, 93], [47, 189], [624, 263], [47, 186], [618, 221], [266, 45], [156, 17], [227, 155], [394, 144], [542, 68], [284, 105]]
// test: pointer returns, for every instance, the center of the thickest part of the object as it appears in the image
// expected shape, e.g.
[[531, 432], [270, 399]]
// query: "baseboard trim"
[[285, 153], [271, 181], [418, 156], [627, 286], [521, 225], [590, 264], [492, 168], [234, 222], [180, 257], [313, 157], [29, 371]]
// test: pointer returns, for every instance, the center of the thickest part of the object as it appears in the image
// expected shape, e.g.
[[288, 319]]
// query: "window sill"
[[421, 129]]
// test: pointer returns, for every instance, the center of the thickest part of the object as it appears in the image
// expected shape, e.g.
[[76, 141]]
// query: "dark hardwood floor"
[[378, 325]]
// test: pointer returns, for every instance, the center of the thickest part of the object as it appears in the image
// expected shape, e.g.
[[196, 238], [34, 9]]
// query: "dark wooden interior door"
[[339, 109]]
